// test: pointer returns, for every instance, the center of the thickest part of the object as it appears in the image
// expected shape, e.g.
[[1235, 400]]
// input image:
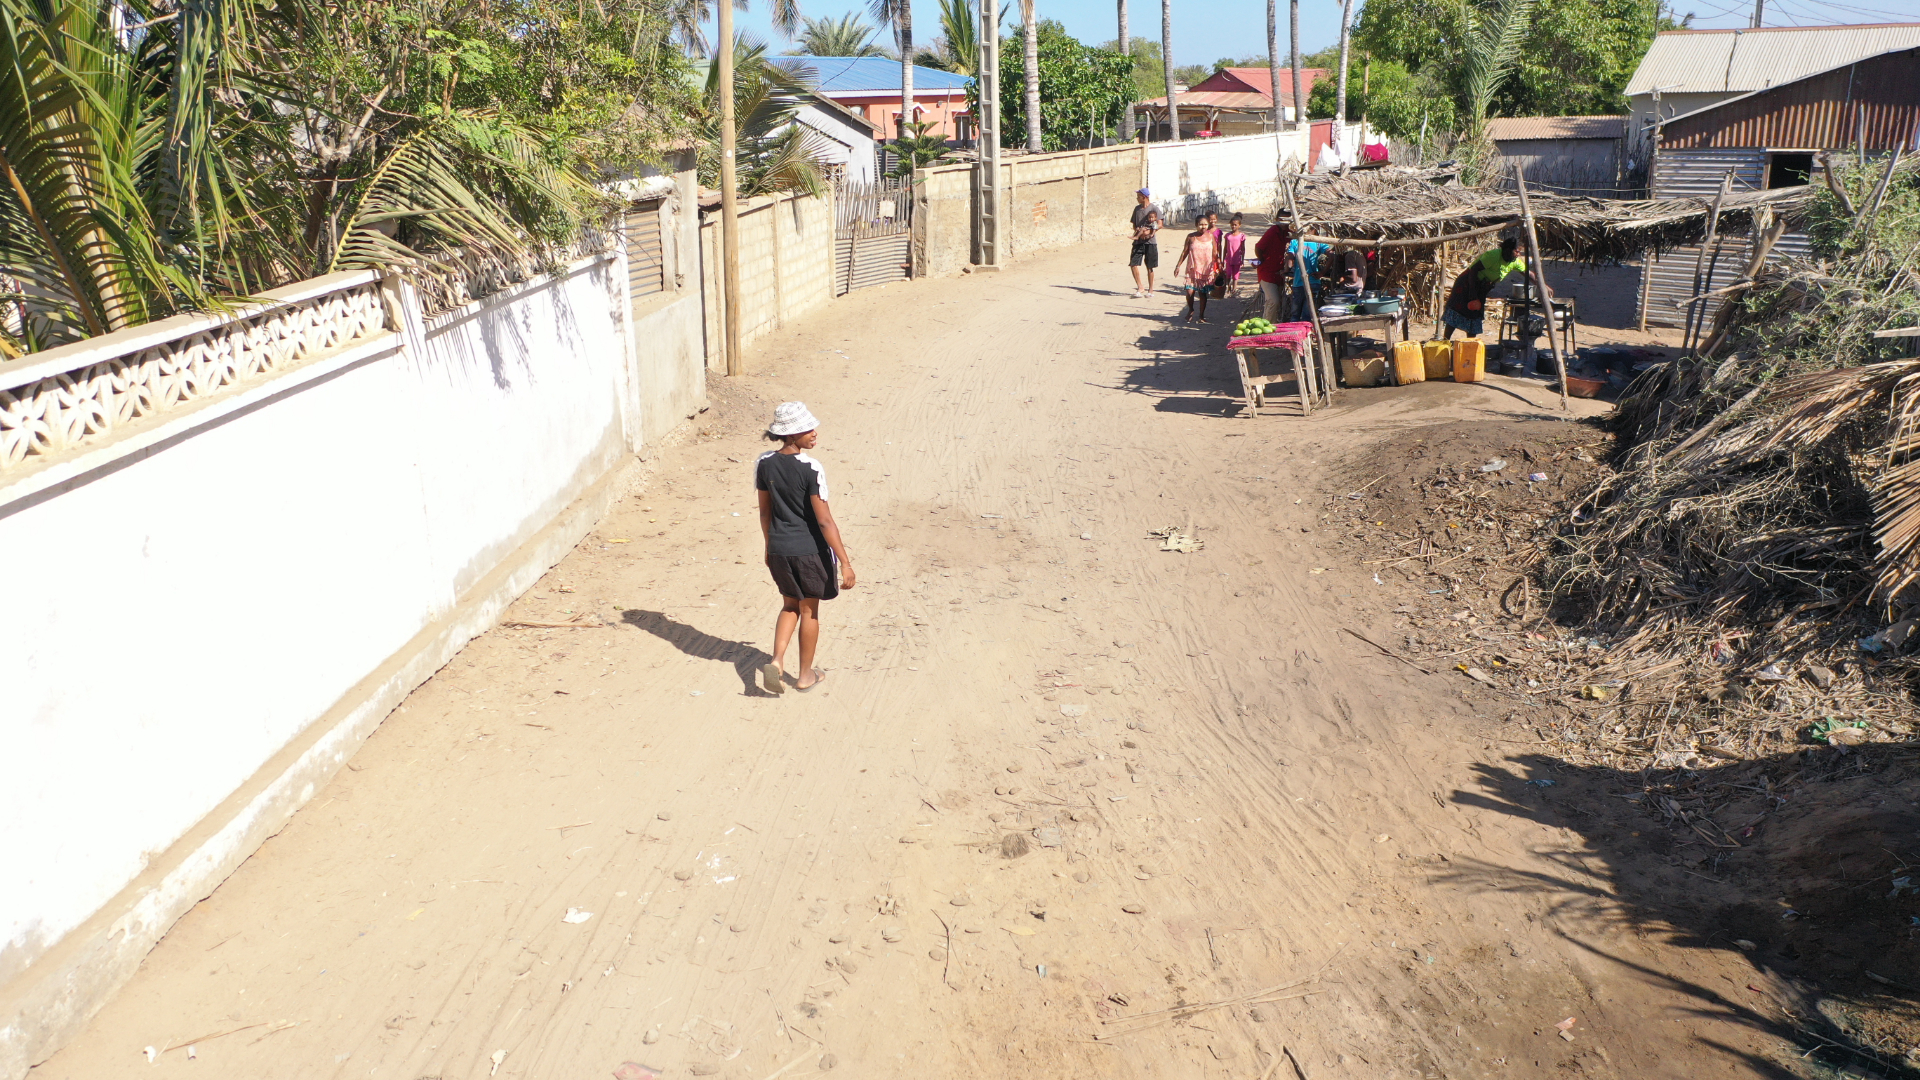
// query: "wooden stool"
[[1253, 381]]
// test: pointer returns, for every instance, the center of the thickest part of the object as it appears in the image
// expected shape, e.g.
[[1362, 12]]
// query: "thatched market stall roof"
[[1415, 208]]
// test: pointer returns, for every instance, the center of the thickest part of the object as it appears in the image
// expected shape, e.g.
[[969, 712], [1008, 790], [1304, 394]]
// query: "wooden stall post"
[[1535, 264], [1313, 304], [1700, 264]]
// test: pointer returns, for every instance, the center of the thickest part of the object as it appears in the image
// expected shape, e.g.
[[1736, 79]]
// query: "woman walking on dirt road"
[[803, 542]]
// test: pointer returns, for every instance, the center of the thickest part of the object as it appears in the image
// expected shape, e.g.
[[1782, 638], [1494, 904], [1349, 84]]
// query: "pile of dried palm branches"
[[1764, 515], [1419, 205]]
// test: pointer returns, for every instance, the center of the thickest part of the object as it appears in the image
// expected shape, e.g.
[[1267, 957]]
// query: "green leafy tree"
[[234, 145], [1393, 100], [1084, 86], [1189, 74], [1148, 80], [1572, 57], [848, 35]]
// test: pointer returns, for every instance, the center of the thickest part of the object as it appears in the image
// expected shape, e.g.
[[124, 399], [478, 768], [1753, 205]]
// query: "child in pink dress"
[[1233, 252], [1198, 255]]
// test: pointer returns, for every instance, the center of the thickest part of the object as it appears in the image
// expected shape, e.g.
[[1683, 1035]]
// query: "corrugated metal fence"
[[872, 234], [1668, 281]]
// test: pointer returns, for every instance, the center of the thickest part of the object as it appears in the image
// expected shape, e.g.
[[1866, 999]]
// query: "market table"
[[1292, 338]]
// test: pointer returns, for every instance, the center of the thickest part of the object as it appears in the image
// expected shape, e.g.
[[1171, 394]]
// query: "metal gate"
[[872, 234]]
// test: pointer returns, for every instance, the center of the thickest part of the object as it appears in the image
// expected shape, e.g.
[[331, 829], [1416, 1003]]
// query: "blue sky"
[[1206, 30]]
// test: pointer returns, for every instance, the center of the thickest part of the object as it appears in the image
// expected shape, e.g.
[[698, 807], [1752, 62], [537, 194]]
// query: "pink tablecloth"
[[1286, 335]]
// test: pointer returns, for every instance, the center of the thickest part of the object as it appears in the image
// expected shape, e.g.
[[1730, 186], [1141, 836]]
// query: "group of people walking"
[[1210, 259]]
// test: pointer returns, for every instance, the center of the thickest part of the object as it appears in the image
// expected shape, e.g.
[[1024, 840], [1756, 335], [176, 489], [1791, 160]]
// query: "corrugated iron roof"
[[1739, 61], [1505, 128], [1259, 81], [1878, 97], [1215, 99], [871, 74]]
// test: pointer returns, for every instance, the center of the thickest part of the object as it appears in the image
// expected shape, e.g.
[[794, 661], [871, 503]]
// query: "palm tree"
[[845, 36], [960, 36], [198, 162], [1492, 44], [1126, 49], [1166, 62], [898, 14], [1299, 75], [1340, 89], [1030, 68], [1273, 63], [689, 19]]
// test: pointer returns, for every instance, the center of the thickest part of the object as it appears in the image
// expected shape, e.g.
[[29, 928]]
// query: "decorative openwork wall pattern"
[[87, 404]]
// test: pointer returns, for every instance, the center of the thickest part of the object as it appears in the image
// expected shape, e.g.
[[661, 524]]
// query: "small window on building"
[[1789, 170], [646, 255]]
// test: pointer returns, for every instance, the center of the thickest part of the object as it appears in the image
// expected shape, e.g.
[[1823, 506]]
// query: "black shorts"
[[1145, 253], [808, 577]]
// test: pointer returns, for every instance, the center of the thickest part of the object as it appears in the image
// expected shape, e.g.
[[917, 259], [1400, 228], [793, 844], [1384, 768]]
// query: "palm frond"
[[1492, 45], [77, 132], [960, 31], [846, 36]]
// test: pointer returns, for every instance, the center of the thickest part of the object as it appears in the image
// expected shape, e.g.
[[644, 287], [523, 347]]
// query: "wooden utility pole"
[[729, 200], [1126, 50], [986, 171], [1538, 271]]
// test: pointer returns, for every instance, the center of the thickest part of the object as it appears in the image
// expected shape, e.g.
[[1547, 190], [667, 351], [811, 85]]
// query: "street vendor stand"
[[1295, 340], [1395, 325]]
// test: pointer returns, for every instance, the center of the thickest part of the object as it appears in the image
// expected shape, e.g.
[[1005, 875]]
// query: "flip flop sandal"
[[819, 677], [770, 680]]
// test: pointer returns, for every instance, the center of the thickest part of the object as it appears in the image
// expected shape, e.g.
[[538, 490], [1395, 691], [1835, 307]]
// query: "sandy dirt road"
[[1222, 797]]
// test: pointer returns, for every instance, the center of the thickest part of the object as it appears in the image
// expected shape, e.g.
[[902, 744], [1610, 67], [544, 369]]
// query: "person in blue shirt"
[[1310, 253]]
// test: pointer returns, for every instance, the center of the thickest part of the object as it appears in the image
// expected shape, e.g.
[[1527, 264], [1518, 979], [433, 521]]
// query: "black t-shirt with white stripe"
[[792, 480]]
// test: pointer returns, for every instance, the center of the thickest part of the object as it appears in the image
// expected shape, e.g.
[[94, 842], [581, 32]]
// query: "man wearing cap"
[[1146, 245]]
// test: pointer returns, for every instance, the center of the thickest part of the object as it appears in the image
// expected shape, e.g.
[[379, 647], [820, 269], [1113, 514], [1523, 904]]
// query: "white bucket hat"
[[792, 418]]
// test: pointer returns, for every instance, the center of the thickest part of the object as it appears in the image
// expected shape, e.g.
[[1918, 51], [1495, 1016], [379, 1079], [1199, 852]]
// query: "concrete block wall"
[[786, 267], [1048, 201]]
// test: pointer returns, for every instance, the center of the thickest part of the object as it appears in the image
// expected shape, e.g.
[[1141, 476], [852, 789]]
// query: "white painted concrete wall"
[[198, 632], [1231, 175]]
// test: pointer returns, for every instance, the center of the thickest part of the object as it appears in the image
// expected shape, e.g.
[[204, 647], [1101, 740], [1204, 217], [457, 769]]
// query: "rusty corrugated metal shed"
[[1504, 128], [1818, 112], [1739, 61]]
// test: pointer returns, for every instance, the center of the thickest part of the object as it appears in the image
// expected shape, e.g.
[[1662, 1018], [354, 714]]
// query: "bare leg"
[[1139, 279], [1203, 307], [809, 616], [783, 630]]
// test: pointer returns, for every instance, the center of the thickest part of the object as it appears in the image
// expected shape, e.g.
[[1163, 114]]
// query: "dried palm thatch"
[[1419, 205], [1766, 508]]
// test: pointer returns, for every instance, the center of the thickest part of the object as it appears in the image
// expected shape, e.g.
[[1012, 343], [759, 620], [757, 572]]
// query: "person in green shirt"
[[1467, 303]]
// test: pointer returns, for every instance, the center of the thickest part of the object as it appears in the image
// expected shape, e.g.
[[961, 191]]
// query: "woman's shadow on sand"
[[745, 658]]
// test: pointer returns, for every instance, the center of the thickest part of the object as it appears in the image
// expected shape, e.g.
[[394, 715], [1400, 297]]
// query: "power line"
[[1905, 15]]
